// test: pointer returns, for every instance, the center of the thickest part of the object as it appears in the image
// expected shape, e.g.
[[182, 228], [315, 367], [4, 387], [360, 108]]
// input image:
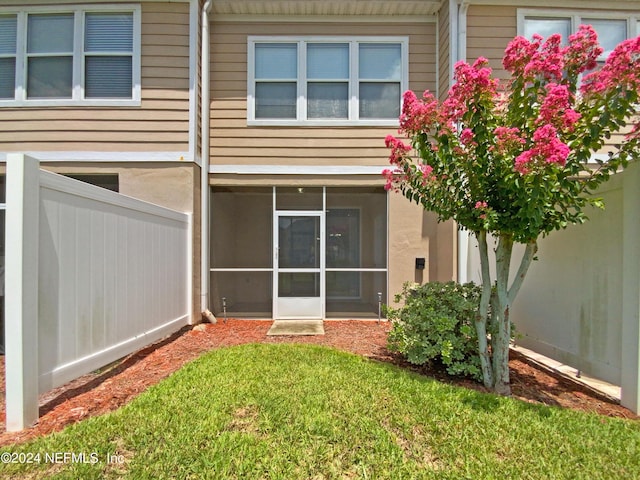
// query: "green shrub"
[[436, 326]]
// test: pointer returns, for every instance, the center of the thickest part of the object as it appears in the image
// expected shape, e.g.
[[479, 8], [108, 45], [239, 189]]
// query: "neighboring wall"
[[161, 123], [570, 306], [580, 302], [234, 143]]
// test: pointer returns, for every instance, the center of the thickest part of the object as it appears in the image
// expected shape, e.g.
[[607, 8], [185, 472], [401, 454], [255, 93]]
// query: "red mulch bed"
[[105, 391]]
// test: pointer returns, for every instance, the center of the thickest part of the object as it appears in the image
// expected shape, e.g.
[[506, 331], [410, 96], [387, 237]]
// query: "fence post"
[[21, 291], [630, 361]]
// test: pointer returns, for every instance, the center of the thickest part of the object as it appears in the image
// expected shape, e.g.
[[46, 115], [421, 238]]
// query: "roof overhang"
[[368, 8]]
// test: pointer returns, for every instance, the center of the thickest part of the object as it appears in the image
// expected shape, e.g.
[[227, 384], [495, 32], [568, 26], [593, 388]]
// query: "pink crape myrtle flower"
[[507, 139], [583, 51], [427, 172], [390, 177], [471, 81], [620, 71], [634, 133], [533, 59], [482, 206], [418, 114], [547, 149], [548, 61], [556, 108], [466, 137], [519, 53], [398, 149]]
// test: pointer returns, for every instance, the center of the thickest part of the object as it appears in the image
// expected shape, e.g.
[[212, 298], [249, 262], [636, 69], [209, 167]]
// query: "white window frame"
[[576, 16], [78, 82], [301, 81]]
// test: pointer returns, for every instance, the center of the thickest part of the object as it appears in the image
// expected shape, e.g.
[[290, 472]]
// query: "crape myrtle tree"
[[515, 160]]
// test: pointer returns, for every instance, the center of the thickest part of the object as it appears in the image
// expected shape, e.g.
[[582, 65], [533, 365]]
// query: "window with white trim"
[[611, 27], [326, 80], [70, 55]]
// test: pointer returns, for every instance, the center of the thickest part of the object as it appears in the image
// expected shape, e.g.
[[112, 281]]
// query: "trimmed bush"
[[436, 326]]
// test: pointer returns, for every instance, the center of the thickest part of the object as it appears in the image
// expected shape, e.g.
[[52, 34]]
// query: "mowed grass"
[[287, 411]]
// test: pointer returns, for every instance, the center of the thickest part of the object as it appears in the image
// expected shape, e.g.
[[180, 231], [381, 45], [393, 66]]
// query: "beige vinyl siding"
[[491, 28], [161, 123], [233, 142], [489, 31], [444, 79]]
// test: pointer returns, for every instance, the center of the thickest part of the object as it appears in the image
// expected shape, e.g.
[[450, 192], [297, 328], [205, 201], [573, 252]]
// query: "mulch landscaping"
[[113, 386]]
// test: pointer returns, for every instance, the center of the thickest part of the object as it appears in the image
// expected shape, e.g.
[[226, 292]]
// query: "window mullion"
[[354, 80], [21, 57], [576, 20], [302, 81], [251, 81], [78, 55]]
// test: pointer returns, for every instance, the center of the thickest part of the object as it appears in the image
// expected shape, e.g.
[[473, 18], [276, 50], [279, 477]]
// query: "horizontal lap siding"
[[489, 31], [233, 142], [161, 123]]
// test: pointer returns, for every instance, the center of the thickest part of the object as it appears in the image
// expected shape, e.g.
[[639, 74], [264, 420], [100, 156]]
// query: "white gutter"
[[462, 30], [453, 38], [458, 22], [194, 18], [204, 156]]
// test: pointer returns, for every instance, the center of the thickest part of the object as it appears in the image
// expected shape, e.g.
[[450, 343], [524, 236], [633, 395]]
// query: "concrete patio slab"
[[296, 327]]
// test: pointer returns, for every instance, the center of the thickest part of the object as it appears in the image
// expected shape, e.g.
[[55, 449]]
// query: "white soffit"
[[326, 7]]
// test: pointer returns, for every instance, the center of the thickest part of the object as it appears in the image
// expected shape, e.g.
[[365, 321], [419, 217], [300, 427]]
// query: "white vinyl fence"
[[580, 302], [91, 276]]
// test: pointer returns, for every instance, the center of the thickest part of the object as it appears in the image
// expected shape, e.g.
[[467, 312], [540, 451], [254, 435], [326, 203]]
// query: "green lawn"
[[290, 411]]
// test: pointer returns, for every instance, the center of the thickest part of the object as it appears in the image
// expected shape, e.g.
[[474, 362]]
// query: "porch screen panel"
[[245, 294], [356, 257], [356, 227], [298, 198], [241, 227], [355, 294], [241, 251]]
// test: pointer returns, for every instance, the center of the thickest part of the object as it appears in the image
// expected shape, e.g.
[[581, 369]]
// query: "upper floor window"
[[326, 81], [612, 28], [62, 56]]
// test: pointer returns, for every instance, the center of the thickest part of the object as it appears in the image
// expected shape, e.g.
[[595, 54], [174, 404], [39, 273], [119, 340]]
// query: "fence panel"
[[113, 275]]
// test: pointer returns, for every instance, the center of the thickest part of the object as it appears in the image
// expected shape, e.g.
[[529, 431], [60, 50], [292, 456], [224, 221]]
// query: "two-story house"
[[266, 120]]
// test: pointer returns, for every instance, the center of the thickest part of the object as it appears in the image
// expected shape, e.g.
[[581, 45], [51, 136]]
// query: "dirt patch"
[[110, 388]]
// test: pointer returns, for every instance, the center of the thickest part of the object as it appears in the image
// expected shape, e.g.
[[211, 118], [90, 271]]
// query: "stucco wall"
[[579, 301], [414, 233]]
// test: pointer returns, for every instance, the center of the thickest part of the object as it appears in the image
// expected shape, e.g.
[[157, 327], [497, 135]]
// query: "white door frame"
[[299, 307]]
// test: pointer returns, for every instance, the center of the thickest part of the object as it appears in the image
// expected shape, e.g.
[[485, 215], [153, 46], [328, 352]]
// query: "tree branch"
[[525, 263]]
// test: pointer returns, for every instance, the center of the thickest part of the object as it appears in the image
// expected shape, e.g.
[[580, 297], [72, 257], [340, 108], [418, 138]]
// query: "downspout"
[[460, 52], [204, 156], [453, 38]]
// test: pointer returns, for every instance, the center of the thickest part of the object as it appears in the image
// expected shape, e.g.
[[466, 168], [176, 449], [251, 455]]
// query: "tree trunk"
[[481, 319], [501, 334], [495, 361]]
